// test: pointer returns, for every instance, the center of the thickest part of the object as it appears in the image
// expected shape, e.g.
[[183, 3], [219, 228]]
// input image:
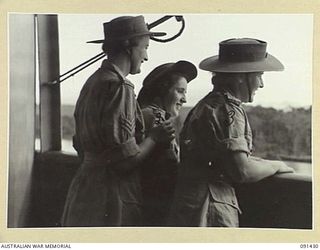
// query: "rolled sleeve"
[[119, 124], [121, 152], [236, 144], [226, 129]]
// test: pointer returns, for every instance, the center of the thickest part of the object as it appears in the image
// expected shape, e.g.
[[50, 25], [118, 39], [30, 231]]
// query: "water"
[[66, 145]]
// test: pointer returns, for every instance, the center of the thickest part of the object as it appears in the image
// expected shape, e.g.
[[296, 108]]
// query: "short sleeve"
[[226, 129], [119, 122]]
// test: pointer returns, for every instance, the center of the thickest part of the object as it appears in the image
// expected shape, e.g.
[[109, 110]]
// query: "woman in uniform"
[[161, 99], [109, 133], [216, 139]]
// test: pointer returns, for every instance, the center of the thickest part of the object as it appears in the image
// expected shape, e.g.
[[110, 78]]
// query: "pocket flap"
[[222, 192]]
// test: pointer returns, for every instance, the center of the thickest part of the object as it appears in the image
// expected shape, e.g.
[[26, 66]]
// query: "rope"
[[101, 55], [179, 19]]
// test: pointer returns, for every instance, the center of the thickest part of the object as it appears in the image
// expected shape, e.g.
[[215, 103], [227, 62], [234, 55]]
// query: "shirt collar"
[[229, 97], [232, 99], [108, 65]]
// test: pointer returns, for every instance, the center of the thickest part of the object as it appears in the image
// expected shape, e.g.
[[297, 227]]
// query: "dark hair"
[[225, 81], [160, 88], [111, 47]]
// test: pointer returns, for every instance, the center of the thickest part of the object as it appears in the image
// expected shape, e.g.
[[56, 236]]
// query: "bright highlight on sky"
[[289, 38]]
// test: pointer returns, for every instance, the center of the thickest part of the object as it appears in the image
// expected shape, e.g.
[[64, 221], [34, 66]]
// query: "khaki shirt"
[[107, 116], [214, 127], [109, 126]]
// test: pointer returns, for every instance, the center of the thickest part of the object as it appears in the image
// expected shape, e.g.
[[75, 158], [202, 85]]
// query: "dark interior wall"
[[53, 174], [283, 201], [22, 110]]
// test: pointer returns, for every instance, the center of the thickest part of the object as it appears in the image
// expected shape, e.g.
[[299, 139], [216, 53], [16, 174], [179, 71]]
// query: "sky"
[[289, 37]]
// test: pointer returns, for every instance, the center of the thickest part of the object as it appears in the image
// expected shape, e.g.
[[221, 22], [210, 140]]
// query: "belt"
[[96, 158], [204, 169]]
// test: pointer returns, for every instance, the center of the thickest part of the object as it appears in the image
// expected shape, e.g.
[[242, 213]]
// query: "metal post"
[[50, 117]]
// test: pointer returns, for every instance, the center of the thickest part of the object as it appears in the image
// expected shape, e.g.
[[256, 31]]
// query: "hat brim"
[[184, 68], [152, 34], [213, 64]]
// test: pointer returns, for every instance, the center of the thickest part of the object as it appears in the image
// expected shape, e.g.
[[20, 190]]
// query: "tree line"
[[276, 133], [279, 133]]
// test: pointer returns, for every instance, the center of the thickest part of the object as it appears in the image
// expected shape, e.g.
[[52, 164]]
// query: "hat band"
[[251, 53], [126, 30], [116, 34]]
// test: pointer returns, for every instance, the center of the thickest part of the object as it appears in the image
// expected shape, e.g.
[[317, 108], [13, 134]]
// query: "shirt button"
[[209, 163], [233, 202]]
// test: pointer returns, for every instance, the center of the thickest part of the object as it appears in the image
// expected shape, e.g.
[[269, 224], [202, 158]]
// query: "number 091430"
[[311, 245]]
